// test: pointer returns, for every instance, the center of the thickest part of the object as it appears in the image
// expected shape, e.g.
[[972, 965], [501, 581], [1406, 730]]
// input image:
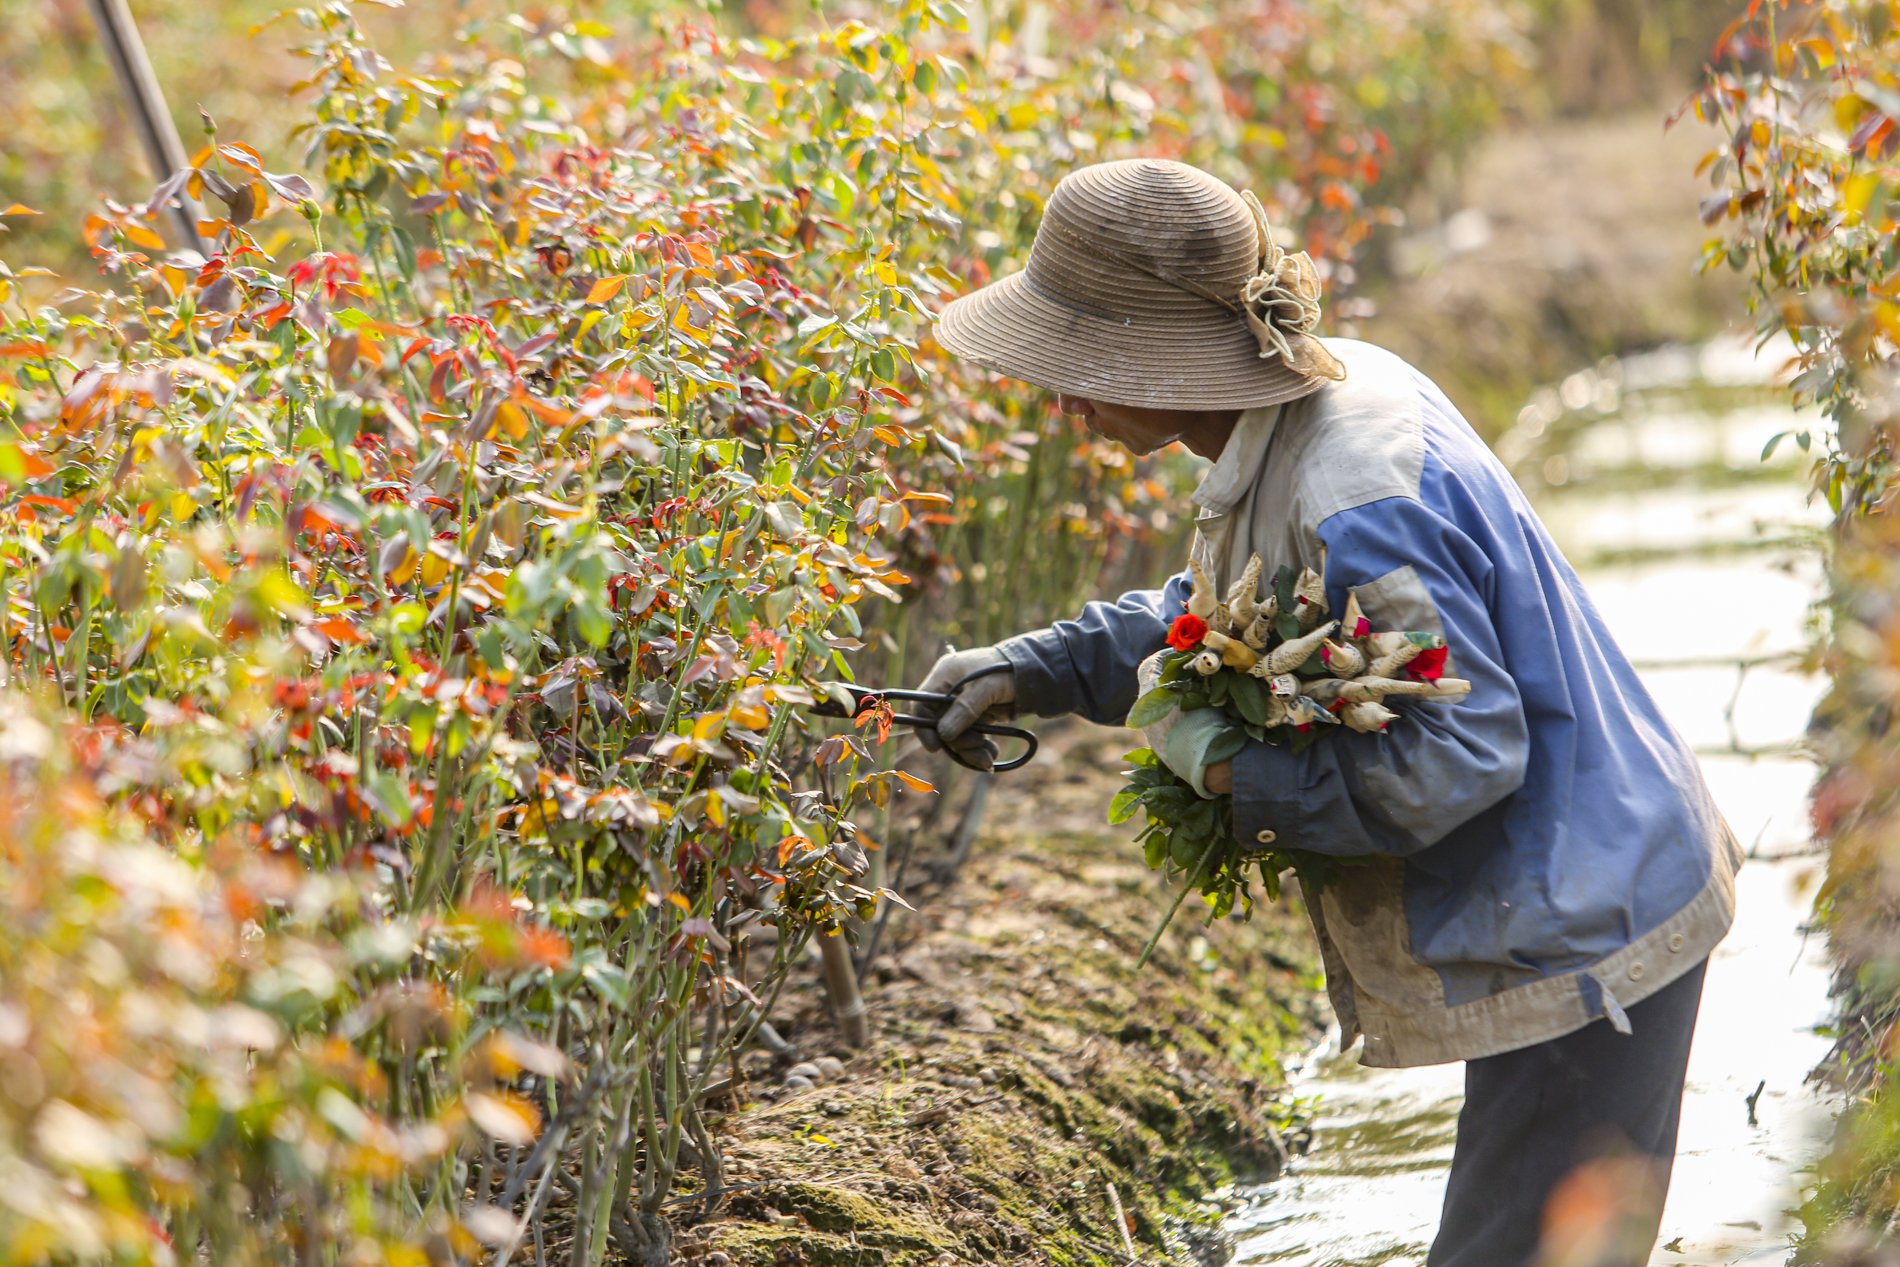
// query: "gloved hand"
[[1185, 748], [986, 699]]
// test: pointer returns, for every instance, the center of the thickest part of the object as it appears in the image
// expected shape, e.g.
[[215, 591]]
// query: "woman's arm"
[[1088, 665]]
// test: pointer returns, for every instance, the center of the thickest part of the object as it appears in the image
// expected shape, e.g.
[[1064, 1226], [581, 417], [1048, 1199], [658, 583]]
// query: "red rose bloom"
[[1186, 632], [1428, 665]]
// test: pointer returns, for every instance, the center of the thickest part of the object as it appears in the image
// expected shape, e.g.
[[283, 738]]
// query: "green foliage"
[[1809, 205], [1808, 197]]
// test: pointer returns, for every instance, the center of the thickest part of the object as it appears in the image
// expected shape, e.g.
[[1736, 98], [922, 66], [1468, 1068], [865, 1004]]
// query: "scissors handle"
[[863, 695]]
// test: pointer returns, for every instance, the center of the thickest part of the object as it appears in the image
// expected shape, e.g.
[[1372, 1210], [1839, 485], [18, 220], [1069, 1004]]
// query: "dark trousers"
[[1564, 1148]]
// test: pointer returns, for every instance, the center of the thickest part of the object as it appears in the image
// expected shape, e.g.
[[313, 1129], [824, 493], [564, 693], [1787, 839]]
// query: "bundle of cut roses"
[[1276, 669]]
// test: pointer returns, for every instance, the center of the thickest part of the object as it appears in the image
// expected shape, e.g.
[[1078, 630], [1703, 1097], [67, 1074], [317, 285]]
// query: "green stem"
[[1194, 878]]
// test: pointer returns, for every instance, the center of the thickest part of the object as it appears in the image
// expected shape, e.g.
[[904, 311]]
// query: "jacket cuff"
[[1290, 800], [1042, 671]]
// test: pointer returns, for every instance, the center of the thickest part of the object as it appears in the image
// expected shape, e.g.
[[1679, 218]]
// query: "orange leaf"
[[65, 505], [18, 209], [337, 629], [604, 289], [32, 465], [143, 236], [914, 783]]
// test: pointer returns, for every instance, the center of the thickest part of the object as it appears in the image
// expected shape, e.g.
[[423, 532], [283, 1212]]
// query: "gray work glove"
[[1181, 740], [986, 699]]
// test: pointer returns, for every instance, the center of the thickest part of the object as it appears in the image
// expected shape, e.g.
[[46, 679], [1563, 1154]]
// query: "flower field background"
[[413, 589]]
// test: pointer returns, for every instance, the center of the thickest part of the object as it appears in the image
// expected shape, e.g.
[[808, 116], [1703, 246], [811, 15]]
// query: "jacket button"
[[1675, 943], [1266, 836], [1636, 972]]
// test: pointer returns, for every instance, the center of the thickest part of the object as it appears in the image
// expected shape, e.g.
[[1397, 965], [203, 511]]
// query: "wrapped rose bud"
[[1243, 596], [1341, 659], [1201, 601], [1207, 663], [1353, 623], [1284, 685], [1294, 652], [1302, 712], [1309, 598], [1389, 664], [1327, 691], [1367, 716]]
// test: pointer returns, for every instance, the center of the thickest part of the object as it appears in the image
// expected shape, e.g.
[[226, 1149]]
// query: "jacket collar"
[[1234, 472]]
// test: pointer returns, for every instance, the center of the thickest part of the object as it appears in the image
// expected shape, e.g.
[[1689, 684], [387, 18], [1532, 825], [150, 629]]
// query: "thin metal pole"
[[119, 36]]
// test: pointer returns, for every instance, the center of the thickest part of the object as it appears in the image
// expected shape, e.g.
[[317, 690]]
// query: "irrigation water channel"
[[1649, 475]]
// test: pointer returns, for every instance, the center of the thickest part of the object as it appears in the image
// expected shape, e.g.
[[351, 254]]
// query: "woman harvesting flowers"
[[1529, 878]]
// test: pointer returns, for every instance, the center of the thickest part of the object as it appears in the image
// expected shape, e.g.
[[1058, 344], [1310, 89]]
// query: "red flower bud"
[[1186, 632]]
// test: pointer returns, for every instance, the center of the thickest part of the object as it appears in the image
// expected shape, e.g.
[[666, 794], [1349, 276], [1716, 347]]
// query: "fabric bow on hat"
[[1281, 304]]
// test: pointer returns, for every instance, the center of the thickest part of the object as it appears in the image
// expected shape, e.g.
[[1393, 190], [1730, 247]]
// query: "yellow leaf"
[[683, 322], [750, 716], [400, 574], [512, 420], [142, 236], [1856, 192], [1847, 111], [588, 322], [281, 594], [604, 289]]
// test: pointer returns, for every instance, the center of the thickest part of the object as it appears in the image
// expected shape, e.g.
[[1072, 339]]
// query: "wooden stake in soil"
[[841, 983]]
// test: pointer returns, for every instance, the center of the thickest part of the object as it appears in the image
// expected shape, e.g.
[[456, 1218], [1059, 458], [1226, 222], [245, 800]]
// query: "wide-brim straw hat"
[[1151, 283]]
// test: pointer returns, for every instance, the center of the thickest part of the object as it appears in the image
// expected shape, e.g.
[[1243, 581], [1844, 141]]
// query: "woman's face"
[[1142, 431], [1139, 430]]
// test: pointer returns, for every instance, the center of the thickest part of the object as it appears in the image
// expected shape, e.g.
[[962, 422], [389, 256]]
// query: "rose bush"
[[1805, 199]]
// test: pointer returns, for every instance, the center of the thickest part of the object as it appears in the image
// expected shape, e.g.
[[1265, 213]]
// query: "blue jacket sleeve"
[[1442, 763], [1087, 665]]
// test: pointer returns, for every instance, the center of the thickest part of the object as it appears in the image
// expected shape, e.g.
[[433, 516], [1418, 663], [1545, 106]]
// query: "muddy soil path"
[[1021, 1068]]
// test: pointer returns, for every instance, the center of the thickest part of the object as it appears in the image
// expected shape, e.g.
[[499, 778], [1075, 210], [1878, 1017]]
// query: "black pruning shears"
[[863, 697]]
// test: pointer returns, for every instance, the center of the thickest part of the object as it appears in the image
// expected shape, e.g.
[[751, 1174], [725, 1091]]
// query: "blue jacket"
[[1538, 855]]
